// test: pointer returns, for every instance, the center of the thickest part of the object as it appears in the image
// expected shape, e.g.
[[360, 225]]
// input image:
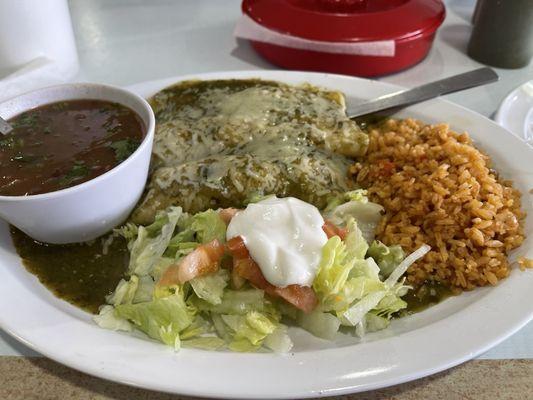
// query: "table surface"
[[123, 42]]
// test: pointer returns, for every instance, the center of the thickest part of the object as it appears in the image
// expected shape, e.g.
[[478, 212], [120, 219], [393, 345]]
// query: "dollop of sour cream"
[[284, 236]]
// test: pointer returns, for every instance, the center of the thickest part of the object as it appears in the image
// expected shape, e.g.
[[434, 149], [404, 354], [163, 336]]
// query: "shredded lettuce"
[[127, 231], [124, 292], [236, 302], [152, 241], [194, 230], [321, 324], [354, 195], [333, 270], [107, 319], [201, 228], [355, 205], [200, 326], [359, 286], [209, 226], [204, 343], [387, 257], [390, 304], [133, 290], [161, 265], [145, 290], [249, 330], [375, 322], [181, 244], [211, 287], [355, 313], [371, 323], [352, 290], [406, 263], [220, 327], [341, 260], [356, 245], [162, 319], [279, 341]]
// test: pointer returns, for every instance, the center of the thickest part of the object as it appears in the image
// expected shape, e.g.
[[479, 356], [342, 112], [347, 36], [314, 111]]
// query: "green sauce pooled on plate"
[[82, 273]]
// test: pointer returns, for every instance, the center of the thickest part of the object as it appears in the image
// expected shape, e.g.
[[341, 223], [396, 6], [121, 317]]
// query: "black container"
[[503, 33]]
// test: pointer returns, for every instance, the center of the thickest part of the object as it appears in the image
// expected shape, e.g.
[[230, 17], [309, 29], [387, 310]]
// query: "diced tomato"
[[227, 214], [249, 270], [333, 230], [201, 261], [329, 229], [301, 297], [237, 248]]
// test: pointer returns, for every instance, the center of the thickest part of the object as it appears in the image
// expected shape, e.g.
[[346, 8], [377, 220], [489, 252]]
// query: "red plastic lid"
[[347, 20]]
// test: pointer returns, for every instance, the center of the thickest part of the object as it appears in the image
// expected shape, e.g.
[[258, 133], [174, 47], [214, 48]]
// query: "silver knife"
[[5, 127], [428, 91]]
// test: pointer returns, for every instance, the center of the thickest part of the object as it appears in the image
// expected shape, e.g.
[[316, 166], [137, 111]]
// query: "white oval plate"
[[445, 335], [516, 112]]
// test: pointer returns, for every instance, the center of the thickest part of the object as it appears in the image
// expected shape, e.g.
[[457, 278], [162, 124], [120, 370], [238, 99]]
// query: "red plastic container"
[[410, 24]]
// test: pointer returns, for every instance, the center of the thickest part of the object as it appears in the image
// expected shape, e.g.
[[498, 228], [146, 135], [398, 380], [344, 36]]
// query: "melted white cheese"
[[284, 237]]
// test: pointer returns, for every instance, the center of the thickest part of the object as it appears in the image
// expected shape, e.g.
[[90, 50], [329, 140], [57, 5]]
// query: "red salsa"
[[63, 144]]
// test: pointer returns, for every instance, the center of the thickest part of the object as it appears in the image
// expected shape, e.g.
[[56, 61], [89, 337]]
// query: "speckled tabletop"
[[123, 42], [40, 378]]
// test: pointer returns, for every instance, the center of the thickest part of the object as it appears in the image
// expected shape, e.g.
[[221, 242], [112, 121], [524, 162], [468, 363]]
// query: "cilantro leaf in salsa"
[[124, 148], [26, 121], [10, 142], [78, 171]]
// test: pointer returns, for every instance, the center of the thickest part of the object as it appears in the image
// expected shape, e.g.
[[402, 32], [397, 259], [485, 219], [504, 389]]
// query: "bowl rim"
[[146, 142]]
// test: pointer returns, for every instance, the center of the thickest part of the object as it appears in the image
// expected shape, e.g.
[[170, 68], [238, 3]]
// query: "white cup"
[[31, 29], [90, 209], [37, 45]]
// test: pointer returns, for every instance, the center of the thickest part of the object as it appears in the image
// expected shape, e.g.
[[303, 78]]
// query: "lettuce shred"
[[359, 285]]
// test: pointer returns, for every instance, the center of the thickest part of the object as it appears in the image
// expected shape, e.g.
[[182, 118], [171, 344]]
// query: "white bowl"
[[90, 209]]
